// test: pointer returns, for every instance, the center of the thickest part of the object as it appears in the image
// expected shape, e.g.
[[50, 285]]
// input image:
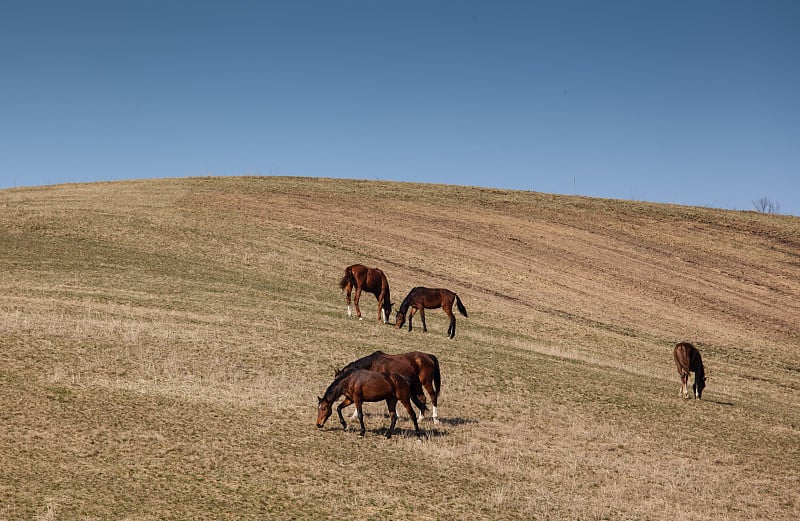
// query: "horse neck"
[[335, 389], [361, 363], [699, 370], [404, 305]]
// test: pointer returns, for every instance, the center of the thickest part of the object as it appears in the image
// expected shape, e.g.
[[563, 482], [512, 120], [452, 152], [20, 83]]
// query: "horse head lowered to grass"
[[688, 359], [420, 299], [371, 280], [360, 385], [423, 366]]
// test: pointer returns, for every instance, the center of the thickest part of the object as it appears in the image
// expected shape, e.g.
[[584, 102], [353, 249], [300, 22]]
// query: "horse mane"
[[362, 363], [334, 390], [388, 298], [699, 370], [407, 301]]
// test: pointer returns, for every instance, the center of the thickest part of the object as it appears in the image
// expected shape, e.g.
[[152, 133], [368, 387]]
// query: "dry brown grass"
[[162, 343]]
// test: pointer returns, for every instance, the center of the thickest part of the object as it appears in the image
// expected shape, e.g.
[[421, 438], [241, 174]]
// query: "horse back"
[[428, 298], [352, 275], [382, 362], [370, 386], [375, 280], [687, 358], [414, 363]]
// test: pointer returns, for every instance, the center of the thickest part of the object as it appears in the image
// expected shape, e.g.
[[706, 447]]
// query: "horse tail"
[[437, 377], [461, 308], [347, 278], [415, 387]]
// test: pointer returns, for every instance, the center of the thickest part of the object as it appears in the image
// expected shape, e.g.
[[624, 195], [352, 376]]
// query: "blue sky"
[[687, 102]]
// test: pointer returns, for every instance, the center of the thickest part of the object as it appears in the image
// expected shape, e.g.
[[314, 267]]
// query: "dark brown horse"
[[423, 366], [420, 299], [688, 359], [371, 280], [359, 386]]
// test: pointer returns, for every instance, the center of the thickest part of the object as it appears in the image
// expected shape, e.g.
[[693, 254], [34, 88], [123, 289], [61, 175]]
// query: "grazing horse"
[[688, 359], [367, 279], [359, 386], [419, 299], [423, 366]]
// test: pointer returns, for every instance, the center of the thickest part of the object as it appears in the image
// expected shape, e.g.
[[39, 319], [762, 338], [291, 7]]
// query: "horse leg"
[[348, 290], [451, 329], [422, 317], [359, 405], [354, 416], [381, 313], [413, 415], [684, 392], [411, 316], [341, 406], [356, 299], [429, 388], [391, 404]]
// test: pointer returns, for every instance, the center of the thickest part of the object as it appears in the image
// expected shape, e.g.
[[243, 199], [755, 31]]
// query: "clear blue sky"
[[688, 102]]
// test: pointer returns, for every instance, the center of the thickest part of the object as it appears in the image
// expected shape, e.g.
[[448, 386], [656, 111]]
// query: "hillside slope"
[[162, 343]]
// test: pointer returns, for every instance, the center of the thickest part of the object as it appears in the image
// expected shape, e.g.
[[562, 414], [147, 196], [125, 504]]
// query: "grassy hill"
[[162, 344]]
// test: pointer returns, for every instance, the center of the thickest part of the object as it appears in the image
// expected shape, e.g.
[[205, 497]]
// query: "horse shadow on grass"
[[717, 402], [404, 428]]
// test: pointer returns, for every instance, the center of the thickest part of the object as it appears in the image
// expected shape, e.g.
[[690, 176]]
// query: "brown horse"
[[423, 366], [688, 359], [420, 299], [359, 386], [371, 280]]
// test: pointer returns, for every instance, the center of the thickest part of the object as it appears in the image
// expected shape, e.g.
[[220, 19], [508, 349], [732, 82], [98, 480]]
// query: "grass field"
[[163, 342]]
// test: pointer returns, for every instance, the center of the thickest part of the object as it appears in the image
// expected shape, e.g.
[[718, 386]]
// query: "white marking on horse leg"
[[383, 316], [349, 311], [435, 415]]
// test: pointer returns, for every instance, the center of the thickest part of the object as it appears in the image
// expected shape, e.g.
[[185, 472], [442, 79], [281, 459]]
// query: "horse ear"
[[319, 399]]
